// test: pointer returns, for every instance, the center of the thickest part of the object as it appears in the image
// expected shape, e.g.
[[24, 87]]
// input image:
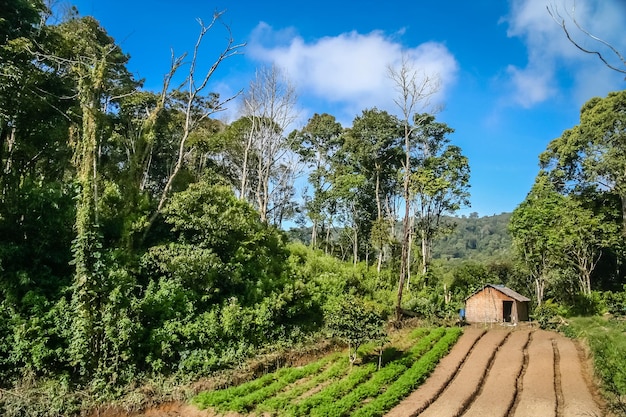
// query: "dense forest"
[[142, 238]]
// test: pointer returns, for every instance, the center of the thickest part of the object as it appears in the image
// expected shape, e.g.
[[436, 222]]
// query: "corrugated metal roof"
[[504, 290]]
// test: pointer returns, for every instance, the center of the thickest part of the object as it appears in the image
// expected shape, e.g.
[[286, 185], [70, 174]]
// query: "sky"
[[510, 81]]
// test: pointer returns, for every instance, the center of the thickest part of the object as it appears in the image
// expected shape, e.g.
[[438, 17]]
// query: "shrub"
[[549, 315]]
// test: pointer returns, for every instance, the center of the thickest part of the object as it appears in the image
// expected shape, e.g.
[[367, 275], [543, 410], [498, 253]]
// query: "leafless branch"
[[558, 18]]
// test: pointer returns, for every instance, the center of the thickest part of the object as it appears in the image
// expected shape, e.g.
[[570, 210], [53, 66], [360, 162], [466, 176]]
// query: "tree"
[[190, 100], [439, 182], [532, 227], [373, 148], [317, 144], [413, 90], [269, 104], [563, 235], [583, 236], [593, 153], [354, 322], [95, 64]]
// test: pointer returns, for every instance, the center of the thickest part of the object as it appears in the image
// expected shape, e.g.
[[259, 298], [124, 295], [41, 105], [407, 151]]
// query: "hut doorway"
[[507, 310]]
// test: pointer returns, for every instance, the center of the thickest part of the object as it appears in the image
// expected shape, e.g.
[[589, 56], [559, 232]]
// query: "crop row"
[[344, 388], [379, 381], [243, 397], [411, 379]]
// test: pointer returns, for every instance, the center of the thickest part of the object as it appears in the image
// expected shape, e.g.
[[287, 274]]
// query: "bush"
[[588, 304], [615, 302], [549, 315]]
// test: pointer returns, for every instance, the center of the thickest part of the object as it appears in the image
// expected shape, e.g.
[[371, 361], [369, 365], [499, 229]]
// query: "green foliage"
[[615, 302], [587, 304], [549, 315], [354, 322]]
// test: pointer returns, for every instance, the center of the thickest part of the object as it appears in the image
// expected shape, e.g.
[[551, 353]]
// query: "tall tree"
[[81, 51], [439, 182], [562, 234], [269, 104], [373, 143], [582, 236], [414, 90], [317, 144], [192, 101], [532, 225], [593, 153]]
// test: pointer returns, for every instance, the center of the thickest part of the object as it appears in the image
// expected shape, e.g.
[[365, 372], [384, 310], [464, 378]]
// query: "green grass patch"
[[607, 341]]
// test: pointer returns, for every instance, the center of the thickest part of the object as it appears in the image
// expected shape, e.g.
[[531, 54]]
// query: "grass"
[[343, 389], [606, 339]]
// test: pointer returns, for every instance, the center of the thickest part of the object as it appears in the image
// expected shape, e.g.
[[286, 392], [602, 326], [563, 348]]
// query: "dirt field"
[[497, 372], [502, 372]]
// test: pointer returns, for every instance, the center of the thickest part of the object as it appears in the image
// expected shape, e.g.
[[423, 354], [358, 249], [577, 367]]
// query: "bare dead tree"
[[270, 105], [191, 90], [560, 20], [414, 89]]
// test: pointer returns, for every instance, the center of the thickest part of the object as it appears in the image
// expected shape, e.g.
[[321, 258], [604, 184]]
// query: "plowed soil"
[[499, 372], [504, 372]]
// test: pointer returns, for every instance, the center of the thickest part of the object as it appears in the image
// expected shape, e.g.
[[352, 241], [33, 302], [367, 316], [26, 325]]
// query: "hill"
[[477, 238]]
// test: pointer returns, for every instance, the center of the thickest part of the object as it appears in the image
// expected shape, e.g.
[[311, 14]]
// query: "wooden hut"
[[496, 303]]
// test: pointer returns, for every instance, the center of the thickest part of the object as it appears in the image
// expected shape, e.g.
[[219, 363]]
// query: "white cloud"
[[550, 52], [350, 69]]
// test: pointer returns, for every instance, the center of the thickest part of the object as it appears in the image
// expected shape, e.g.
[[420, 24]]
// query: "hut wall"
[[486, 306]]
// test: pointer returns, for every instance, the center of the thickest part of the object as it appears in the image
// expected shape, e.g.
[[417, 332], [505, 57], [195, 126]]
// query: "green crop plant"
[[331, 392], [371, 387], [247, 402], [411, 379], [244, 396], [281, 400]]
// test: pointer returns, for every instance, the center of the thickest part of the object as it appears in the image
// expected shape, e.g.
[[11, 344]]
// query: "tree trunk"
[[10, 145], [425, 253], [314, 234], [539, 287], [622, 196], [404, 257], [355, 246]]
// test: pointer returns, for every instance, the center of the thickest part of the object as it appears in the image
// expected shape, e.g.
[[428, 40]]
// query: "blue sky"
[[510, 80]]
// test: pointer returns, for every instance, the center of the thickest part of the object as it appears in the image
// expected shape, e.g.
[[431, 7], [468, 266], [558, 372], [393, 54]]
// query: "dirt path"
[[503, 372]]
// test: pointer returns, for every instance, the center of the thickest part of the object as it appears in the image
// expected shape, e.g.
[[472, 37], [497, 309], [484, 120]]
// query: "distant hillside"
[[477, 238], [474, 237]]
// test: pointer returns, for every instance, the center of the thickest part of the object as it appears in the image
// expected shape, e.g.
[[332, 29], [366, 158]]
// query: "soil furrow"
[[461, 390], [577, 396], [558, 406], [519, 380], [443, 374], [537, 397], [501, 380]]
